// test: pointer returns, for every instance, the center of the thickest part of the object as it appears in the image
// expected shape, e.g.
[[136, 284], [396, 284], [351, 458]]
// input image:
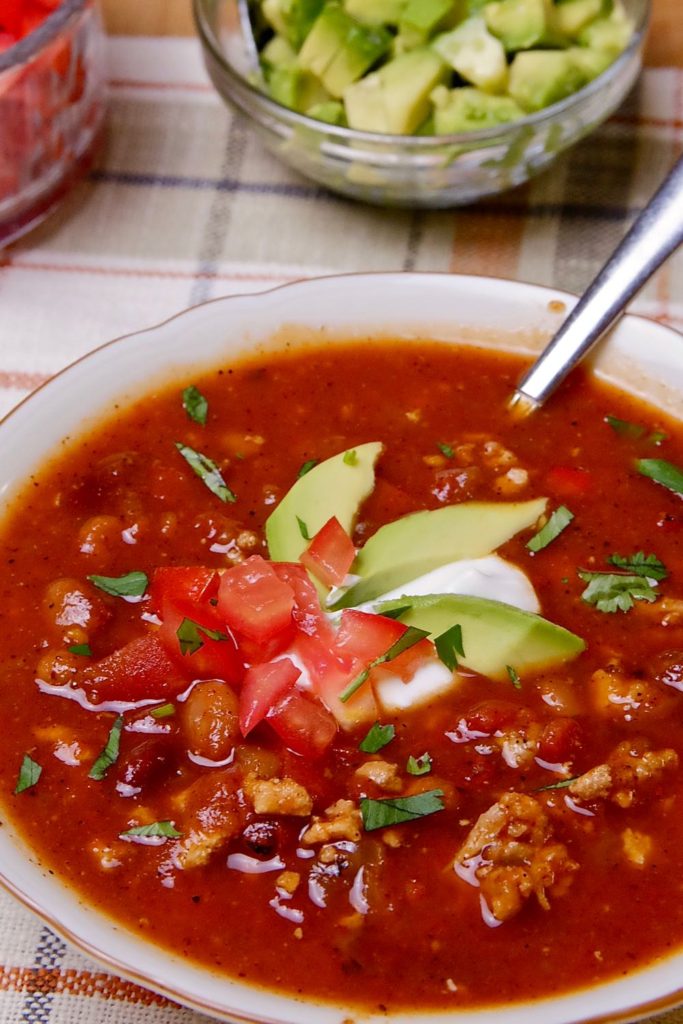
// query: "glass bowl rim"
[[24, 50], [425, 142]]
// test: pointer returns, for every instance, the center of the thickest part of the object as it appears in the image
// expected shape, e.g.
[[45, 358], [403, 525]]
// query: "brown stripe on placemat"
[[77, 983], [22, 381], [487, 241]]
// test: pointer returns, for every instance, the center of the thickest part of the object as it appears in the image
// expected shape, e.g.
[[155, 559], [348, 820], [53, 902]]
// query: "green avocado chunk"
[[414, 545], [570, 17], [339, 49], [470, 110], [292, 18], [395, 99], [494, 635], [611, 33], [476, 54], [518, 24], [541, 77], [376, 12], [335, 487]]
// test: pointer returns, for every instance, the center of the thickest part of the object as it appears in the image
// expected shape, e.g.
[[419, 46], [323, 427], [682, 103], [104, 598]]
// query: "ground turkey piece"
[[629, 767], [517, 857], [342, 821], [278, 796]]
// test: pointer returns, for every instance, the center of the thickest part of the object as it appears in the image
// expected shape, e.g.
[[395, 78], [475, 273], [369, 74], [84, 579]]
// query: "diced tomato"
[[406, 664], [366, 636], [307, 613], [11, 17], [215, 659], [303, 724], [140, 670], [252, 600], [263, 687], [182, 583], [331, 672], [559, 740], [569, 481], [330, 554], [491, 716]]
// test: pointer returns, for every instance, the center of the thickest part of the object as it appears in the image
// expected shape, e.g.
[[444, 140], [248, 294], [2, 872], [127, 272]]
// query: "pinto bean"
[[209, 720]]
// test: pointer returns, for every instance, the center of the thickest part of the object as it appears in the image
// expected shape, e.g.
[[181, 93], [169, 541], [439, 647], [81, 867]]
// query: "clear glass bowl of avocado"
[[424, 103]]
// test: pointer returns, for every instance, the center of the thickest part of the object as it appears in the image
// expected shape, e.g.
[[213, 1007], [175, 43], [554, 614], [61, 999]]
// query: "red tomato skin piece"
[[303, 724], [193, 583], [330, 673], [330, 554], [569, 481], [140, 670], [559, 740], [307, 613], [366, 636], [253, 600], [263, 687], [215, 659]]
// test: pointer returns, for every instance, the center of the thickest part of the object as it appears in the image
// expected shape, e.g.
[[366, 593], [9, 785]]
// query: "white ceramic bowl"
[[642, 356]]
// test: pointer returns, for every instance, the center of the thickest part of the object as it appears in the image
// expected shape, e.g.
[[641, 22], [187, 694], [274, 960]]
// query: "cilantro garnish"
[[640, 564], [132, 584], [303, 529], [306, 467], [449, 646], [558, 521], [662, 472], [514, 677], [563, 784], [157, 828], [110, 754], [445, 449], [29, 773], [350, 458], [207, 471], [195, 405], [164, 711], [412, 636], [657, 436], [82, 649], [397, 810], [625, 428], [189, 636], [612, 592], [421, 765], [378, 736]]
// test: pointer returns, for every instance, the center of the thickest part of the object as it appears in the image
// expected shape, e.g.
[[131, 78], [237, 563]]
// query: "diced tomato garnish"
[[331, 672], [215, 659], [330, 554], [559, 740], [253, 600], [182, 583], [141, 669], [569, 481], [303, 724], [491, 716], [307, 613], [366, 636], [263, 687], [406, 664]]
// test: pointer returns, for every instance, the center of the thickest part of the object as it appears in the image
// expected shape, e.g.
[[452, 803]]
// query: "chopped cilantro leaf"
[[412, 636], [195, 405], [612, 592], [29, 773], [303, 529], [563, 784], [623, 427], [156, 828], [189, 636], [397, 810], [662, 472], [449, 646], [657, 437], [514, 677], [350, 458], [419, 765], [307, 467], [132, 584], [558, 521], [378, 736], [640, 564], [207, 471], [445, 449], [82, 649], [164, 711], [395, 613], [110, 754]]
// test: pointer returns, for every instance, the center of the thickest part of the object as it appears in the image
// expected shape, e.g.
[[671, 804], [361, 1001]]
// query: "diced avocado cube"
[[332, 112], [475, 54], [519, 24], [541, 77], [407, 82], [292, 18], [476, 6], [295, 88], [591, 62], [376, 12], [278, 53], [470, 110], [364, 105], [570, 17], [339, 49], [425, 15], [611, 33]]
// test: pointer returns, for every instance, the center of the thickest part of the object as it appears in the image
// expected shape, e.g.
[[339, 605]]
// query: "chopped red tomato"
[[569, 481], [408, 662], [330, 554], [307, 613], [366, 636], [216, 657], [141, 669], [254, 601], [263, 687], [491, 716], [303, 724], [331, 672], [181, 583], [559, 740]]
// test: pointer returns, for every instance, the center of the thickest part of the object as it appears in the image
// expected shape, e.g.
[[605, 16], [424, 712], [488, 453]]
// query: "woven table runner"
[[184, 205]]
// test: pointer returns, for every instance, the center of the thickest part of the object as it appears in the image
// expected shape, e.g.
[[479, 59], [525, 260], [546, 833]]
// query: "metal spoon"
[[656, 233]]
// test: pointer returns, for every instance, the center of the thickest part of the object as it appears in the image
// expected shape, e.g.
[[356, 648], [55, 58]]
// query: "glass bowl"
[[415, 171], [52, 86]]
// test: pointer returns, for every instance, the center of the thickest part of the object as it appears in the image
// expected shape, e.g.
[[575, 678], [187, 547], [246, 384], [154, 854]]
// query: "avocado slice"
[[364, 105], [518, 24], [611, 33], [292, 18], [494, 635], [395, 99], [376, 12], [414, 545], [339, 49], [570, 17], [335, 487], [469, 110], [590, 62], [475, 54], [541, 77]]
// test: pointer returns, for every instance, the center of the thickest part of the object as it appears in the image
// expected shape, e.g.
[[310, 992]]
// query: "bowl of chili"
[[268, 802]]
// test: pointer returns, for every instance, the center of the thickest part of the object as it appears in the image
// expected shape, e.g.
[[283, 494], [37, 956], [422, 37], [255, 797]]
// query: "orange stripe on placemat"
[[22, 381], [486, 242], [76, 268], [77, 983]]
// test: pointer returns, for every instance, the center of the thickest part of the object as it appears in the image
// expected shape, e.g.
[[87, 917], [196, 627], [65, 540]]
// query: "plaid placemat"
[[184, 205]]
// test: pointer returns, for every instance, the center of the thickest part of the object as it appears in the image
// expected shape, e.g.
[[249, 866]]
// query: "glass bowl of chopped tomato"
[[52, 82]]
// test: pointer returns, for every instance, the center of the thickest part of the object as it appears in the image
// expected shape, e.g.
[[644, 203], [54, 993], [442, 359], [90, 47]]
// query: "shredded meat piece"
[[278, 796], [289, 881], [637, 847], [629, 767], [383, 773], [517, 856], [342, 821], [592, 784]]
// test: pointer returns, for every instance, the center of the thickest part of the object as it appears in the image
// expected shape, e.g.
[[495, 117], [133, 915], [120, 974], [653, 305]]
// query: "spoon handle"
[[656, 233]]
